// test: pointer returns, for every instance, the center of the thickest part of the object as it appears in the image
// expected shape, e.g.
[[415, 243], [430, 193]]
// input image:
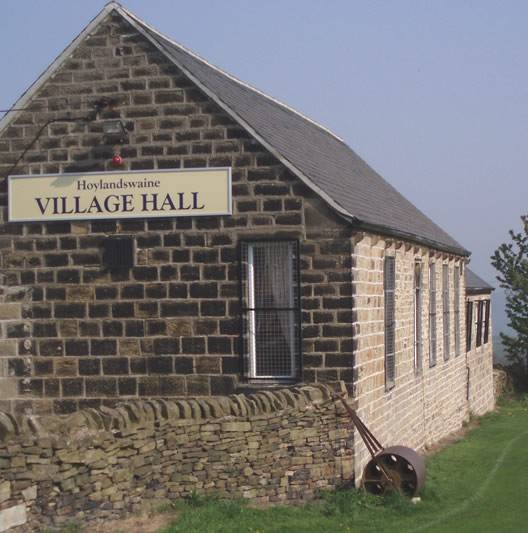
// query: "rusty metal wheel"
[[395, 468]]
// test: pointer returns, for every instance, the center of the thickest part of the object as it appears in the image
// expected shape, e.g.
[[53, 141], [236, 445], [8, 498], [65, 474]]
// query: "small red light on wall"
[[117, 160]]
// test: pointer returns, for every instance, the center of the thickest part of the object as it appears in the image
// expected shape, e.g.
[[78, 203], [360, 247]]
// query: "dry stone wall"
[[275, 446]]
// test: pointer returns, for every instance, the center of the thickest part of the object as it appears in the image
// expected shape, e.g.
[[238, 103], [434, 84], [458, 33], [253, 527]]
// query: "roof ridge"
[[227, 74]]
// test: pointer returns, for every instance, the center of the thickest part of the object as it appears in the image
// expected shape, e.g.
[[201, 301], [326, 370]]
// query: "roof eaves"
[[479, 290], [26, 96], [424, 241]]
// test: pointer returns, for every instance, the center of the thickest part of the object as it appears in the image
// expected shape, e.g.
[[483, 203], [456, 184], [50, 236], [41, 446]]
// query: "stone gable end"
[[76, 335]]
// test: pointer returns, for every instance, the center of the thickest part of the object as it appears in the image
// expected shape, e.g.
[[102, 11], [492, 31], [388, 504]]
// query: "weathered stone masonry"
[[76, 335], [480, 358], [427, 405], [281, 446]]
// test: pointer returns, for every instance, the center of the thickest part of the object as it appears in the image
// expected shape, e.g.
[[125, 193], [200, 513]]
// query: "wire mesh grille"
[[271, 308], [272, 342], [389, 282], [418, 317], [445, 289], [457, 310], [432, 314], [118, 252]]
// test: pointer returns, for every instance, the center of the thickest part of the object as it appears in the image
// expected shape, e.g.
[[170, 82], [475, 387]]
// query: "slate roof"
[[475, 283], [317, 156], [315, 152]]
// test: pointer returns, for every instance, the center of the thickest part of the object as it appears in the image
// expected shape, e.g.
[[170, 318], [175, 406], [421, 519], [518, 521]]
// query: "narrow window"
[[480, 305], [487, 321], [445, 292], [389, 282], [418, 317], [469, 325], [432, 314], [457, 309], [271, 309]]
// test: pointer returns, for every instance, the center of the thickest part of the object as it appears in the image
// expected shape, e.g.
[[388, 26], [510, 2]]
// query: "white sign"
[[120, 194]]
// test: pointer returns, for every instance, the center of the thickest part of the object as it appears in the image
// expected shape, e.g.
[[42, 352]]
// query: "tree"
[[511, 261]]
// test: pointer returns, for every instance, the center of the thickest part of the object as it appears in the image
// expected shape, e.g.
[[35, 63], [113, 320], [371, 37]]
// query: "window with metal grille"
[[389, 283], [118, 252], [486, 321], [445, 309], [418, 317], [480, 305], [432, 314], [271, 309], [469, 325], [456, 281]]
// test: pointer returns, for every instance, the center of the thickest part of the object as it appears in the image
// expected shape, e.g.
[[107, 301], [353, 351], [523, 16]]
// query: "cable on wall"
[[98, 107]]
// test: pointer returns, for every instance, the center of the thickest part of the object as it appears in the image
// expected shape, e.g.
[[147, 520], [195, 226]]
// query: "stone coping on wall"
[[270, 447], [130, 415]]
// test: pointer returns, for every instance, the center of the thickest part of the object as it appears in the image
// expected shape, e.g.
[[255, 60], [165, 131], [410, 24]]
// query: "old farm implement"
[[396, 468]]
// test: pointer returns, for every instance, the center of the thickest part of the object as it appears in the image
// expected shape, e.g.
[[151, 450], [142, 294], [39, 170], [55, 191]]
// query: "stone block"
[[8, 348], [30, 493], [236, 426], [8, 391], [13, 516], [5, 491], [10, 311]]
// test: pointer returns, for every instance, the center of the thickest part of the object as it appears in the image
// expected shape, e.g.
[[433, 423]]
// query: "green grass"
[[479, 484]]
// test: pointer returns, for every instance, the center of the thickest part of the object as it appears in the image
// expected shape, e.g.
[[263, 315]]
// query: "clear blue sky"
[[432, 94]]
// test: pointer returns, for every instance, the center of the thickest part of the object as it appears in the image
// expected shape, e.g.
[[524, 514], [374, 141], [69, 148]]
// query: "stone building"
[[479, 343], [314, 269]]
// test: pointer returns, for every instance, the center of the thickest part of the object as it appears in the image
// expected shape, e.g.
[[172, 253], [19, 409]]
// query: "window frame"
[[433, 326], [456, 280], [480, 310], [418, 319], [446, 318], [469, 324], [487, 304], [389, 302], [248, 359]]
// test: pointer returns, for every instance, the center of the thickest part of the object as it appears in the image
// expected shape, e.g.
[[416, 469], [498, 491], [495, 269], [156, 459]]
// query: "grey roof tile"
[[320, 156], [475, 283]]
